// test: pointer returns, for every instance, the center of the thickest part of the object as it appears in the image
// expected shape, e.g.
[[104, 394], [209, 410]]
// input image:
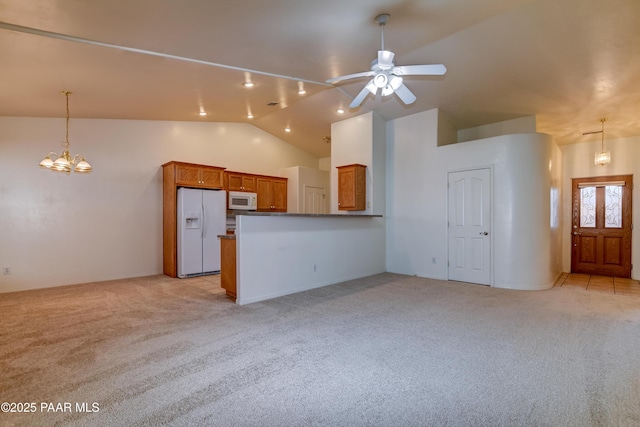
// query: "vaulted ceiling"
[[569, 62]]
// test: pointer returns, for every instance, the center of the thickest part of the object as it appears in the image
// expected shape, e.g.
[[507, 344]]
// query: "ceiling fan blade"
[[385, 59], [361, 96], [405, 94], [420, 70], [350, 76]]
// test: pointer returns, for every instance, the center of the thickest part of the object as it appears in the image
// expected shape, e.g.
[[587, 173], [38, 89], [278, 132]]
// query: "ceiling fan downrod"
[[382, 20]]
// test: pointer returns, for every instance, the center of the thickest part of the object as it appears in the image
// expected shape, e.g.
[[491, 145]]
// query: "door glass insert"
[[588, 207], [613, 206]]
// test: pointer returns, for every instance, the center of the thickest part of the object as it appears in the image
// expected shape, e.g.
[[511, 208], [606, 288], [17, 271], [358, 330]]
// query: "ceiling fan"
[[387, 76]]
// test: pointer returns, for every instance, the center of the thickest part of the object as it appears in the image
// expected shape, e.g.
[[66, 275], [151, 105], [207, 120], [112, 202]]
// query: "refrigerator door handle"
[[204, 222]]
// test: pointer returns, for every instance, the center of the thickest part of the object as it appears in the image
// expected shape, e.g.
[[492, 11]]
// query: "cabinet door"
[[234, 182], [279, 195], [241, 182], [249, 183], [187, 175], [263, 188], [346, 188], [352, 187], [211, 178]]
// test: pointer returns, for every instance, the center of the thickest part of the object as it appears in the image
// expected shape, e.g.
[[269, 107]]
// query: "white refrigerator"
[[202, 216]]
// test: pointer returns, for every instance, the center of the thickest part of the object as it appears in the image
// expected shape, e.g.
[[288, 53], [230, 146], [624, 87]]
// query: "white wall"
[[525, 124], [324, 164], [298, 179], [523, 171], [362, 140], [280, 255], [577, 162], [58, 229]]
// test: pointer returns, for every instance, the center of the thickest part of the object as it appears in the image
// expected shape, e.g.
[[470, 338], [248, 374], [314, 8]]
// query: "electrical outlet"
[[6, 271]]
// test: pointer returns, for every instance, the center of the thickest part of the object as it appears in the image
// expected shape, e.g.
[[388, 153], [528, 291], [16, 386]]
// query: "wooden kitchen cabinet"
[[352, 191], [228, 265], [237, 181], [174, 175], [200, 176], [272, 194]]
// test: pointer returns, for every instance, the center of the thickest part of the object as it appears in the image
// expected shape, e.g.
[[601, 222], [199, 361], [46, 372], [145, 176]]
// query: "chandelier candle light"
[[65, 161], [601, 157]]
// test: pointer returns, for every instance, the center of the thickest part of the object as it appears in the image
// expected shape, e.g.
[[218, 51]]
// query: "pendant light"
[[601, 157], [65, 161]]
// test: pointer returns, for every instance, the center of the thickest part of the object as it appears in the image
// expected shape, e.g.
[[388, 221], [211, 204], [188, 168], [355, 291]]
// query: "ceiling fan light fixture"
[[394, 84], [386, 75], [371, 87], [380, 80]]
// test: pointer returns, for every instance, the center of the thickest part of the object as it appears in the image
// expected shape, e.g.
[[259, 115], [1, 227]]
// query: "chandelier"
[[601, 157], [65, 161]]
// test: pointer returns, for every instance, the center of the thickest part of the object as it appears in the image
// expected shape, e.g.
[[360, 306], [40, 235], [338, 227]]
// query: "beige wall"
[[57, 229]]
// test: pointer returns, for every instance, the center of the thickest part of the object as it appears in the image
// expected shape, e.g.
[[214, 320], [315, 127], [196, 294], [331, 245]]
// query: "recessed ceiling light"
[[247, 80], [340, 111], [301, 90], [202, 113], [249, 116], [287, 129]]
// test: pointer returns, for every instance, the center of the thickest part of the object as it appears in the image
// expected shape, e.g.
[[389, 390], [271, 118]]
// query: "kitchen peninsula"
[[283, 253]]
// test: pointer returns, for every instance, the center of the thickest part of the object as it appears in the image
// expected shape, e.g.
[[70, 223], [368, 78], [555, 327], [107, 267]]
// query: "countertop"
[[253, 213]]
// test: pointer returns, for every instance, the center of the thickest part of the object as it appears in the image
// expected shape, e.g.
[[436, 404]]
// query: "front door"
[[601, 225], [469, 220]]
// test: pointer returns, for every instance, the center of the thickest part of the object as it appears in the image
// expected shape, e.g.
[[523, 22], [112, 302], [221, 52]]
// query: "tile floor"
[[603, 284]]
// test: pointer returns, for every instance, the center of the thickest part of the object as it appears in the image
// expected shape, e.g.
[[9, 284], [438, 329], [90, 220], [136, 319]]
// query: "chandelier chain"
[[66, 144]]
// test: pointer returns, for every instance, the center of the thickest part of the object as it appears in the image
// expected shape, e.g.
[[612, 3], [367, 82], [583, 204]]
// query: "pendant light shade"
[[603, 156]]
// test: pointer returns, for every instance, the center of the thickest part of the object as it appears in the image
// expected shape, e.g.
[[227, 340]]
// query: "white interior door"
[[469, 219], [314, 200]]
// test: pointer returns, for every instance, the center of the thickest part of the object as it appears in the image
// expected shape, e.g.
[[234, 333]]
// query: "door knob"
[[575, 233], [484, 233]]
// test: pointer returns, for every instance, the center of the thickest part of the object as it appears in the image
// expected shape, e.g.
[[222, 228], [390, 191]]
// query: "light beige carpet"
[[386, 350]]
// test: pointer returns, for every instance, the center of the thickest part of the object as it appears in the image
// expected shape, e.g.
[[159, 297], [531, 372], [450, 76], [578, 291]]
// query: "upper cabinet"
[[238, 181], [192, 175], [352, 191], [272, 194]]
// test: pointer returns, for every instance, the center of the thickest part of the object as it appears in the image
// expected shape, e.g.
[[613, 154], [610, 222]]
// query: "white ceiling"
[[569, 62]]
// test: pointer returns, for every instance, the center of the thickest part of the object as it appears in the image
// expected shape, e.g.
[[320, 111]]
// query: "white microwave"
[[241, 201]]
